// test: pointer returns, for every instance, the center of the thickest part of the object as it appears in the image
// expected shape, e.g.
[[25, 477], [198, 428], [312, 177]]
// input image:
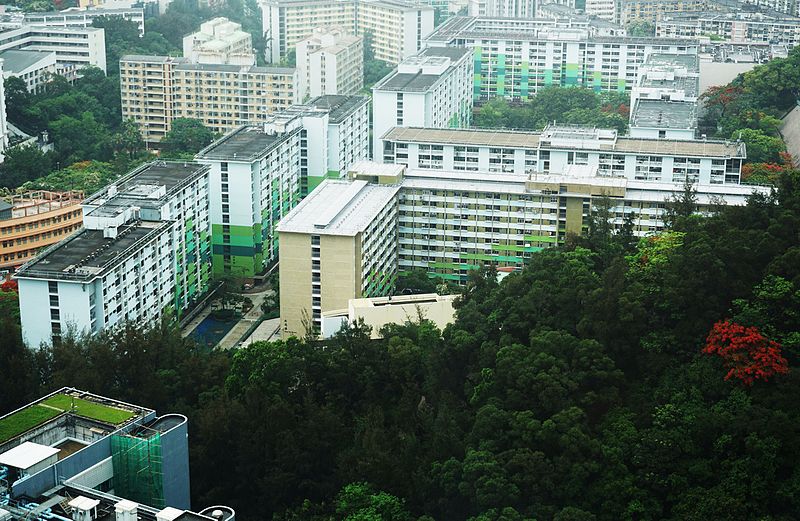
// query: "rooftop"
[[664, 114], [246, 143], [689, 85], [18, 61], [689, 61], [172, 175], [338, 107], [511, 138], [429, 66], [26, 455], [67, 400], [88, 253], [338, 207]]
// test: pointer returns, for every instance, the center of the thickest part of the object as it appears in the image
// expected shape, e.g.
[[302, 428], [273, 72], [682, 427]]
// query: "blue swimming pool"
[[211, 330]]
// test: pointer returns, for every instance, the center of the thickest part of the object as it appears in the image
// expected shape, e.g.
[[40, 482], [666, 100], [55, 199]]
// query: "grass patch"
[[87, 409], [25, 420]]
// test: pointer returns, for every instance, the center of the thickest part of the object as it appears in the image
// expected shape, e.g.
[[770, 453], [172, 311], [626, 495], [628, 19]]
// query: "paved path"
[[231, 339], [266, 331]]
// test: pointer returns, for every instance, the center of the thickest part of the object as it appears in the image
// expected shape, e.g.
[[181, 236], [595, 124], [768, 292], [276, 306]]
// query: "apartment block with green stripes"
[[515, 58], [259, 173]]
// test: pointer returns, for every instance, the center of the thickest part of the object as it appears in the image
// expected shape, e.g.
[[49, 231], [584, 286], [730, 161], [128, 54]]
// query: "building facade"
[[339, 243], [706, 162], [513, 59], [35, 220], [742, 28], [503, 8], [157, 89], [604, 9], [396, 27], [432, 89], [330, 62], [33, 67], [77, 17], [144, 251], [219, 41], [271, 167], [75, 47]]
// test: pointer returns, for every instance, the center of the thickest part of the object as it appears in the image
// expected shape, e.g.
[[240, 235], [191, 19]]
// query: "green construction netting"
[[138, 470]]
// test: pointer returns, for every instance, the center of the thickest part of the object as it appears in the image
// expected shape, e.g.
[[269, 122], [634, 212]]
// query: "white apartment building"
[[32, 67], [542, 7], [664, 99], [397, 28], [651, 11], [451, 222], [790, 7], [432, 89], [157, 89], [515, 58], [330, 61], [556, 149], [78, 17], [75, 47], [503, 8], [754, 28], [254, 180], [271, 167], [604, 9], [339, 243], [219, 41], [144, 252]]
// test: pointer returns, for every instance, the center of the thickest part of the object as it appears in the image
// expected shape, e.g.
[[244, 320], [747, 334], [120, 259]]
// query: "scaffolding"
[[138, 468]]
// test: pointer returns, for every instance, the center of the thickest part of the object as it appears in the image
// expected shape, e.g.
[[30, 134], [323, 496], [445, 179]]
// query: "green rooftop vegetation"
[[87, 409], [30, 417], [24, 420]]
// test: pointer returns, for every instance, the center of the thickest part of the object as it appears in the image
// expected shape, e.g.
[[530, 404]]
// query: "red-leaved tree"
[[747, 354]]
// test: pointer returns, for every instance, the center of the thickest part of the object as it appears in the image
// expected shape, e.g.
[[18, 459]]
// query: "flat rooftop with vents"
[[421, 72], [664, 114], [246, 143]]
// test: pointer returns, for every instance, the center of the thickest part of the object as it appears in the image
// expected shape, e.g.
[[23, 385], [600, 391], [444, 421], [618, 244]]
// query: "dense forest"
[[611, 379]]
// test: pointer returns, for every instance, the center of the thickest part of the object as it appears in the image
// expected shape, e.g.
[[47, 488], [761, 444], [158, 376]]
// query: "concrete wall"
[[790, 130], [295, 282]]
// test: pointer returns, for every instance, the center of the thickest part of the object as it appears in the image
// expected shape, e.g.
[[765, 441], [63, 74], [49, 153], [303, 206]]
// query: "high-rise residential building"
[[83, 17], [144, 252], [396, 28], [706, 162], [737, 27], [451, 222], [431, 89], [330, 61], [339, 243], [515, 58], [651, 11], [35, 220], [259, 173], [790, 7], [503, 8], [75, 47], [88, 457], [604, 9], [219, 41], [33, 67], [157, 89], [543, 6], [254, 181]]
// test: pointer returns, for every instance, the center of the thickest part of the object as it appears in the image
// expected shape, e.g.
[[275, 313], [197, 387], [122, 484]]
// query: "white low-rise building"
[[378, 312], [32, 67], [75, 47], [84, 17]]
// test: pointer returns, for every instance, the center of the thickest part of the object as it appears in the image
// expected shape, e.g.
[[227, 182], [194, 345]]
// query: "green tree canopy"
[[186, 136]]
